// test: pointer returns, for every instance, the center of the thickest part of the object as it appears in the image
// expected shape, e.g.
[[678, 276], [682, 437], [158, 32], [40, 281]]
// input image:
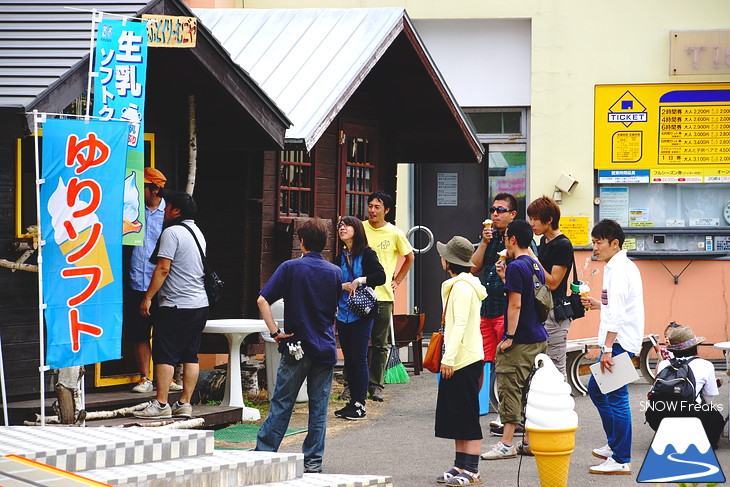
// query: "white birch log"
[[15, 266], [192, 146]]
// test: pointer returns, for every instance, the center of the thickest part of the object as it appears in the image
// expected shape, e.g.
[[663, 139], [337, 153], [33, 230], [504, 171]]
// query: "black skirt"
[[457, 405]]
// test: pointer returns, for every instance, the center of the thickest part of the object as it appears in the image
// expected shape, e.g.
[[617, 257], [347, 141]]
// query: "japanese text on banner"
[[81, 213], [119, 93]]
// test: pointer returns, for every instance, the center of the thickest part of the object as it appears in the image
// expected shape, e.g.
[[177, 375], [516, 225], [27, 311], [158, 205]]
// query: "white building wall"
[[491, 67]]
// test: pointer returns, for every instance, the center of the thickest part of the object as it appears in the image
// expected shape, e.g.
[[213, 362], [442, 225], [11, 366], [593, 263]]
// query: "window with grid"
[[295, 183], [359, 172]]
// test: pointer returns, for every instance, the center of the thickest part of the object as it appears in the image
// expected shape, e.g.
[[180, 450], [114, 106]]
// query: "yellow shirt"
[[388, 242]]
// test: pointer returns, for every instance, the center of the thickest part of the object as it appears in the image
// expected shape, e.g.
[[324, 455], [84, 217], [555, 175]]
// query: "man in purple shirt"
[[311, 288], [524, 336]]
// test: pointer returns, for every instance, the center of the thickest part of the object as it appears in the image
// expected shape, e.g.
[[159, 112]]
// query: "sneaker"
[[143, 385], [345, 394], [603, 453], [154, 410], [175, 387], [524, 449], [376, 393], [500, 451], [499, 430], [182, 410], [353, 411], [611, 467], [312, 470], [495, 423]]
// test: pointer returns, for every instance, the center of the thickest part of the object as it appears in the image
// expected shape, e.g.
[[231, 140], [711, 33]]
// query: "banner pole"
[[96, 16], [38, 119], [2, 384]]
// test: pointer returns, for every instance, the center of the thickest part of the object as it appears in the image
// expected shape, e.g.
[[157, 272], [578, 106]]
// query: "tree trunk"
[[192, 146], [67, 392]]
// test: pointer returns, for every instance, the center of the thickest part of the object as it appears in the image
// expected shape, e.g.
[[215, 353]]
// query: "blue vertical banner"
[[81, 220], [120, 64]]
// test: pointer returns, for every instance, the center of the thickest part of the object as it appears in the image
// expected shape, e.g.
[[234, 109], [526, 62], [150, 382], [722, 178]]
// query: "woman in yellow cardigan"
[[457, 406]]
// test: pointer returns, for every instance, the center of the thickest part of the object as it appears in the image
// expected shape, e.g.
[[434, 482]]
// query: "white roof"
[[309, 61]]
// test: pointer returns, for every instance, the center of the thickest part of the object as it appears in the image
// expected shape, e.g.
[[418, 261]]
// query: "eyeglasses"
[[499, 209], [341, 224]]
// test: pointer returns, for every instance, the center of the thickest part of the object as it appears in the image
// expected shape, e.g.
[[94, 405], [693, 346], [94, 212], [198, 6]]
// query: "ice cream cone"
[[552, 450], [502, 255], [131, 227], [97, 257], [487, 224]]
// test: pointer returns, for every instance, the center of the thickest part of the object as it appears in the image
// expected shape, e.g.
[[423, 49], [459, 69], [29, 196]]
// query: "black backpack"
[[676, 382]]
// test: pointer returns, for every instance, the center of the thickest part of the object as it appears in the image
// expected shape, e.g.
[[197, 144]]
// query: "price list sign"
[[694, 134], [668, 126]]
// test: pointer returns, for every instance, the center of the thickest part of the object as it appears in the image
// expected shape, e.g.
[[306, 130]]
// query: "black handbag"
[[576, 306], [213, 284]]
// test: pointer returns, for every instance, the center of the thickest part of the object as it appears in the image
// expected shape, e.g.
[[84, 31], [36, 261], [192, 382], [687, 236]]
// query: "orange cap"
[[153, 176]]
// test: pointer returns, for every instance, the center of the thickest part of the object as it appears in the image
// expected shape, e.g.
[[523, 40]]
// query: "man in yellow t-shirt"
[[389, 242]]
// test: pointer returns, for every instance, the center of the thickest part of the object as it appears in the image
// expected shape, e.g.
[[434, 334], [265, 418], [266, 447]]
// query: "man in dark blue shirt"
[[524, 336], [310, 287]]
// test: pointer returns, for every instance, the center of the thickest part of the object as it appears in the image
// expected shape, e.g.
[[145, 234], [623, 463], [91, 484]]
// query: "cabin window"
[[295, 183]]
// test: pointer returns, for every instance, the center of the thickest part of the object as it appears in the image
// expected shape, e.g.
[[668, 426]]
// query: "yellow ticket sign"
[[576, 229], [171, 31], [662, 126]]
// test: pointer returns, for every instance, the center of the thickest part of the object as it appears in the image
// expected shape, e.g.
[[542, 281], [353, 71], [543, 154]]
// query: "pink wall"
[[700, 299]]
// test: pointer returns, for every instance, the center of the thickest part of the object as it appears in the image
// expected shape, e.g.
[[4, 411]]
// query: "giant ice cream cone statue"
[[551, 423]]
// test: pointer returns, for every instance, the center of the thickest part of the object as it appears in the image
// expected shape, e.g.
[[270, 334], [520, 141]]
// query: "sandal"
[[448, 475], [464, 478]]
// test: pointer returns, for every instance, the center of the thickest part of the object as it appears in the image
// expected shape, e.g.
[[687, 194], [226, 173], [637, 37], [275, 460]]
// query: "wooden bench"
[[577, 349]]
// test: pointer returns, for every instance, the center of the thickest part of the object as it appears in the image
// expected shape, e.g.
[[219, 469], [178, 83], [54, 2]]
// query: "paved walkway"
[[398, 441]]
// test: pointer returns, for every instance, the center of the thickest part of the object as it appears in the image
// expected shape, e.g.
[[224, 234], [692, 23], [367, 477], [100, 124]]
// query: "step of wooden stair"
[[80, 449], [223, 468]]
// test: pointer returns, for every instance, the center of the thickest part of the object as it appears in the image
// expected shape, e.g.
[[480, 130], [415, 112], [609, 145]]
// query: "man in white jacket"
[[621, 331]]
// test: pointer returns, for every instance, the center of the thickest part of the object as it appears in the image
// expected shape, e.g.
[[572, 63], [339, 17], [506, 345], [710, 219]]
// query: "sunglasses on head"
[[499, 209]]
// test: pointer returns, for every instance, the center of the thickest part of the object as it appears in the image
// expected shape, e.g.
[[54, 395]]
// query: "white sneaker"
[[611, 467], [155, 410], [500, 451], [603, 453], [144, 385], [495, 423], [174, 386]]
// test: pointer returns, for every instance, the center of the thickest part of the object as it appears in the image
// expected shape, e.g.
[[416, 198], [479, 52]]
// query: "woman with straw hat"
[[457, 405], [683, 344]]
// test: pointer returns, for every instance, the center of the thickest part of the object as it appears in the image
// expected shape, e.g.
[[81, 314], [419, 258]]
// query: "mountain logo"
[[680, 452]]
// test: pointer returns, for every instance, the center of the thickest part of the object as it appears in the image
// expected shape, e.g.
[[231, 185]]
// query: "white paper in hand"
[[623, 372]]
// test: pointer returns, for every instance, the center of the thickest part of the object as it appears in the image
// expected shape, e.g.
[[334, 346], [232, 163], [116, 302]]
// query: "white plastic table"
[[235, 330], [725, 346]]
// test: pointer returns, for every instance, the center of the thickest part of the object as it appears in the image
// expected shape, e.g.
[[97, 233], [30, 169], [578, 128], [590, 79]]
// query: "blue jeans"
[[615, 413], [289, 380], [354, 340]]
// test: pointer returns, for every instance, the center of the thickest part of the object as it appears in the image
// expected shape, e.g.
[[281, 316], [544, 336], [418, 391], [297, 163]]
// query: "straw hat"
[[457, 251], [682, 338]]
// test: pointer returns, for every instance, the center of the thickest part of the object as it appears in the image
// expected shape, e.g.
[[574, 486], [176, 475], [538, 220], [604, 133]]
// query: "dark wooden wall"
[[18, 293]]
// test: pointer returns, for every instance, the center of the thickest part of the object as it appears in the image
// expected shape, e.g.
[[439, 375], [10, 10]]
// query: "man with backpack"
[[685, 385], [524, 337], [621, 330]]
